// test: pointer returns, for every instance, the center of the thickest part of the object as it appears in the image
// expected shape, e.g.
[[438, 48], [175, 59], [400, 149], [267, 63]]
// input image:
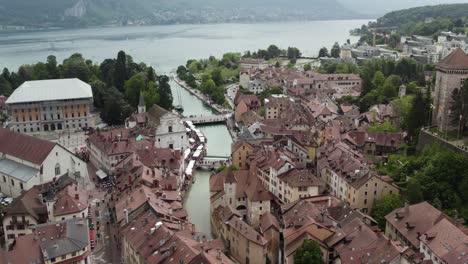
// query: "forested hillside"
[[79, 13]]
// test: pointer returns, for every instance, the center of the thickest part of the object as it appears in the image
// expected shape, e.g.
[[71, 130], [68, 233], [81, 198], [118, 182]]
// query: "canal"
[[219, 142]]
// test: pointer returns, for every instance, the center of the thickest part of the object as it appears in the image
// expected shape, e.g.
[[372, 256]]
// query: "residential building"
[[249, 63], [149, 239], [241, 191], [409, 223], [244, 243], [61, 242], [49, 105], [25, 211], [350, 178], [26, 161], [240, 152], [276, 105], [451, 74]]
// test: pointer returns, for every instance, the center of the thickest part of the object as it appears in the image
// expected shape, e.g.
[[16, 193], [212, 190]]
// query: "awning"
[[190, 166], [197, 154], [139, 137], [186, 153], [101, 174]]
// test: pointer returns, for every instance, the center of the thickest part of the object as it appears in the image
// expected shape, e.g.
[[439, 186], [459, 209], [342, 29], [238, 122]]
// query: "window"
[[52, 260], [170, 129], [4, 178], [365, 201], [21, 186], [12, 182], [57, 169]]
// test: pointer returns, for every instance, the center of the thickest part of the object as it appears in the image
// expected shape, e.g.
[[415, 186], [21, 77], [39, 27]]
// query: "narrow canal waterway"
[[219, 142]]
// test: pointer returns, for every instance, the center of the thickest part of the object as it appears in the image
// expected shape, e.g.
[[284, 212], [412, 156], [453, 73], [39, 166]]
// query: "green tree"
[[307, 67], [195, 67], [106, 71], [99, 92], [165, 93], [5, 87], [293, 54], [152, 96], [52, 67], [459, 108], [115, 109], [217, 76], [389, 89], [378, 80], [273, 51], [323, 52], [309, 252], [120, 71], [413, 192], [335, 51], [76, 67], [418, 114], [384, 206], [133, 87]]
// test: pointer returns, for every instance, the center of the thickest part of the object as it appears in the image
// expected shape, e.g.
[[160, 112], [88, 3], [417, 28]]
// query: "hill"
[[80, 13], [425, 21], [377, 8]]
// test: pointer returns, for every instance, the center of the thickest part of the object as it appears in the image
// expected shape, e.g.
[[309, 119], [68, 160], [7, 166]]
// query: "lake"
[[166, 47]]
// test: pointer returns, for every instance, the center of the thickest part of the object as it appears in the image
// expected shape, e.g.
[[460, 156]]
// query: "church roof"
[[457, 60]]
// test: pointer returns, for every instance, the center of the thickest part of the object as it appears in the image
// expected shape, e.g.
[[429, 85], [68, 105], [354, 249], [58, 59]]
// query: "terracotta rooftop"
[[457, 60], [24, 147], [301, 178], [71, 200], [414, 220], [247, 231], [28, 203]]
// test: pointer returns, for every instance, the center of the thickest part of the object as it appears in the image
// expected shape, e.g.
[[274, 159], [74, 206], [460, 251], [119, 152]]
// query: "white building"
[[170, 132], [26, 161], [50, 105]]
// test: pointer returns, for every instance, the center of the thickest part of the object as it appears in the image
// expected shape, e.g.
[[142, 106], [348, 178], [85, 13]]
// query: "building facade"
[[50, 105]]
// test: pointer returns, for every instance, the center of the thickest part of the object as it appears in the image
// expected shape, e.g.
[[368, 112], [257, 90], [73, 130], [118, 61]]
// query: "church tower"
[[141, 104], [452, 72]]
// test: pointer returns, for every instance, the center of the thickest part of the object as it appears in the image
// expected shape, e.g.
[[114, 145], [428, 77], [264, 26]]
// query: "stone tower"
[[141, 104], [452, 72]]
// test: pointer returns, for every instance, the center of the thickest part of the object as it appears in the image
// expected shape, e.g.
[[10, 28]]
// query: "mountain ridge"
[[82, 13]]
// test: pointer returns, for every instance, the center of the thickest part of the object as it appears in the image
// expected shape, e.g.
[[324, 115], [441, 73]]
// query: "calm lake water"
[[165, 48]]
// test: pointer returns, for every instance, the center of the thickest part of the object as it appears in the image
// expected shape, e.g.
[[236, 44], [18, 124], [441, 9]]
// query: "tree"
[[165, 93], [309, 252], [413, 191], [293, 54], [76, 67], [307, 67], [389, 89], [323, 52], [384, 206], [217, 76], [120, 71], [378, 80], [273, 51], [335, 51], [151, 74], [418, 114], [52, 68], [133, 87], [115, 109], [5, 87], [459, 108]]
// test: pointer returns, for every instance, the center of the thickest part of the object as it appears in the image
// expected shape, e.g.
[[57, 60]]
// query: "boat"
[[179, 108]]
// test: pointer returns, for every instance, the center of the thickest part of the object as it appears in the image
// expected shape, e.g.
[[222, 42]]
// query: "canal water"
[[219, 142]]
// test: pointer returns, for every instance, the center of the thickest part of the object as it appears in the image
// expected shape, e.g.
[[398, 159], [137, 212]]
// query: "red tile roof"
[[457, 60], [25, 147]]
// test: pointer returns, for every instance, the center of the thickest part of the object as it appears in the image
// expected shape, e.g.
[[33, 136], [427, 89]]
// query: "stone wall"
[[427, 139]]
